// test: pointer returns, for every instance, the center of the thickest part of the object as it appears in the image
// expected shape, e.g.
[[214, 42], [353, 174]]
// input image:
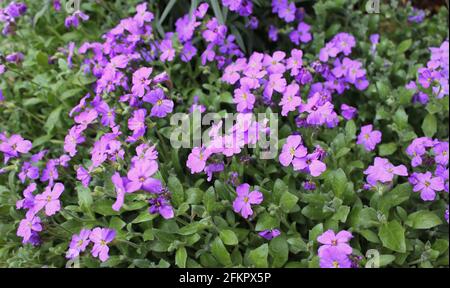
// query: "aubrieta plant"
[[354, 103]]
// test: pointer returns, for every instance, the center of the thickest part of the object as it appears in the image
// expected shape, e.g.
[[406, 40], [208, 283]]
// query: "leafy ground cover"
[[353, 97]]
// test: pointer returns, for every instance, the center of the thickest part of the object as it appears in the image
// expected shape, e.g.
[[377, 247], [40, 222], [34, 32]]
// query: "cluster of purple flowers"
[[113, 63], [430, 159], [207, 158], [100, 237], [433, 79], [295, 153], [383, 172], [288, 12], [335, 251], [243, 7], [74, 19], [9, 15]]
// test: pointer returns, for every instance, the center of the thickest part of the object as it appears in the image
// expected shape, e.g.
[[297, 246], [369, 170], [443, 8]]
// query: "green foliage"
[[205, 232]]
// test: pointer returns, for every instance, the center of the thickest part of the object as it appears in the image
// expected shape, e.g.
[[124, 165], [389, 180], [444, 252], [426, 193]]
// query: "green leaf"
[[395, 197], [338, 181], [229, 237], [84, 198], [341, 214], [279, 188], [423, 220], [220, 252], [166, 11], [392, 235], [52, 119], [279, 250], [350, 130], [176, 188], [194, 196], [258, 256], [181, 257], [217, 11], [288, 201], [265, 221], [429, 125], [404, 46], [104, 207], [315, 232], [144, 216], [370, 236], [388, 149]]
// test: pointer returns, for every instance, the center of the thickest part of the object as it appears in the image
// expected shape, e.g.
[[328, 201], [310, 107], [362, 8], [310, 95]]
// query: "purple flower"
[[49, 199], [161, 105], [137, 124], [197, 159], [274, 64], [50, 172], [244, 99], [348, 112], [74, 19], [287, 12], [57, 5], [188, 52], [369, 137], [417, 16], [303, 31], [273, 33], [428, 185], [119, 184], [334, 258], [142, 15], [73, 138], [201, 10], [15, 145], [28, 171], [292, 149], [340, 241], [291, 99], [85, 118], [162, 206], [383, 171], [28, 201], [101, 237], [244, 200], [213, 168], [270, 234], [311, 164], [418, 148], [295, 62], [327, 52], [276, 83], [441, 153], [185, 28], [83, 176], [78, 244], [318, 113], [28, 226], [140, 177], [168, 53], [141, 81]]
